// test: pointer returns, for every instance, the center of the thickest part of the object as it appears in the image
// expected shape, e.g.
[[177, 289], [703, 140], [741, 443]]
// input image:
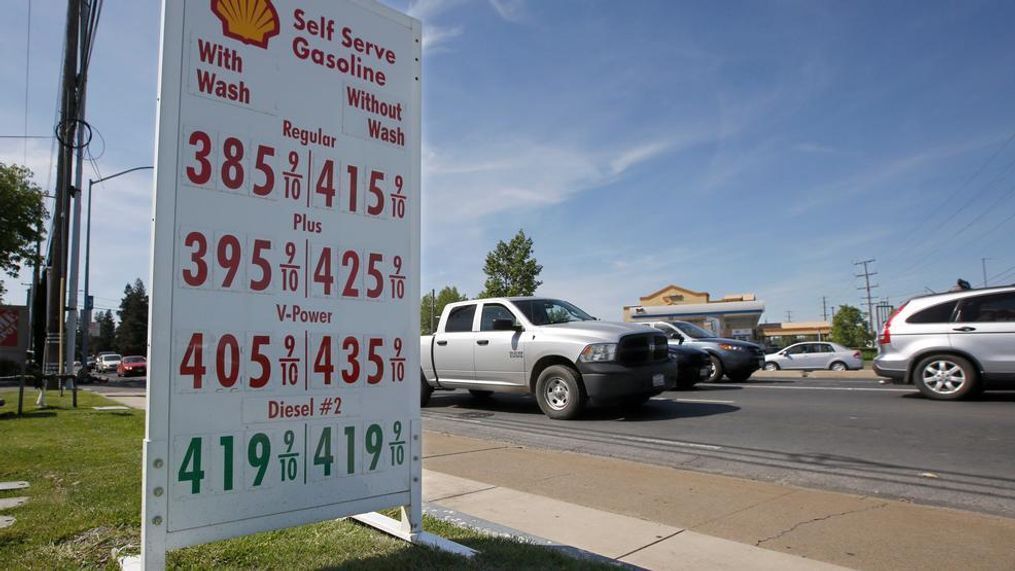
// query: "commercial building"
[[783, 334], [733, 316]]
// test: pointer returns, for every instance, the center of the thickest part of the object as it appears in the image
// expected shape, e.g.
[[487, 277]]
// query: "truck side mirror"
[[506, 325]]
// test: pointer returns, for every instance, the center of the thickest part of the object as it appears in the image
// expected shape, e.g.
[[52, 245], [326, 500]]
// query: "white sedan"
[[814, 355]]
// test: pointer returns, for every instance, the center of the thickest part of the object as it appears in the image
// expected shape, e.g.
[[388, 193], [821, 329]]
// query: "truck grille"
[[642, 348]]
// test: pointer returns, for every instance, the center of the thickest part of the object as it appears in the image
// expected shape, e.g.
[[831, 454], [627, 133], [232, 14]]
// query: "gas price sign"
[[285, 268]]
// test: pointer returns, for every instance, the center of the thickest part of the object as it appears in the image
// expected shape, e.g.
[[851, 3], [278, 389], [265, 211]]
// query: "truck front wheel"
[[559, 393]]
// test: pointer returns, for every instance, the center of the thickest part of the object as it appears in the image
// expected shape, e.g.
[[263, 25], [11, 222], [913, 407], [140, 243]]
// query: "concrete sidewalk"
[[662, 518], [860, 375], [616, 537]]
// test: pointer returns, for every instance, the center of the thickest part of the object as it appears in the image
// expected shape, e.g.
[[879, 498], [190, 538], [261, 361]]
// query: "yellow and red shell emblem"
[[249, 21]]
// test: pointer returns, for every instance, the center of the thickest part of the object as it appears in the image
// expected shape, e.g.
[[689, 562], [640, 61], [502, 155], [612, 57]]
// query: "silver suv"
[[951, 345]]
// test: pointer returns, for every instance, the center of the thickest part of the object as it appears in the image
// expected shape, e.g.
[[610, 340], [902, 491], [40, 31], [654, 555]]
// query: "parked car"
[[731, 357], [815, 355], [693, 365], [132, 366], [107, 362], [545, 347], [951, 345]]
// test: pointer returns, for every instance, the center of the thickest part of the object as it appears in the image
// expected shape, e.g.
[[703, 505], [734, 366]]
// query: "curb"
[[497, 530]]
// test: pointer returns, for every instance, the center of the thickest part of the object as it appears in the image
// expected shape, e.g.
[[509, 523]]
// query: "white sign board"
[[285, 288]]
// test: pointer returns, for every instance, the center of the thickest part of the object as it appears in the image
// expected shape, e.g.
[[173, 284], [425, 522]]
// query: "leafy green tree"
[[22, 214], [449, 294], [510, 269], [132, 334], [106, 339], [849, 328]]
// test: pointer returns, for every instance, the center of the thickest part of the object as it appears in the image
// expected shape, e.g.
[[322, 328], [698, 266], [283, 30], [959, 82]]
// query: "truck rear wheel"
[[559, 393], [425, 390]]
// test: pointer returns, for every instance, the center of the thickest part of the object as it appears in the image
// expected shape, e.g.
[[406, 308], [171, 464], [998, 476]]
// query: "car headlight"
[[728, 347], [598, 352]]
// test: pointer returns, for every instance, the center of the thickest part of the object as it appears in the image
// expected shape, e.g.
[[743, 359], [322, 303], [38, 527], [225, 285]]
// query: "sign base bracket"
[[398, 529]]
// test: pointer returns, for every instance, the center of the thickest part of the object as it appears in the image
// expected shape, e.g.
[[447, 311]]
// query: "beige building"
[[733, 316], [783, 334]]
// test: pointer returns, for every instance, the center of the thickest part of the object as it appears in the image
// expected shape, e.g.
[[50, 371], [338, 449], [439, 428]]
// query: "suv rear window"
[[460, 319], [940, 313]]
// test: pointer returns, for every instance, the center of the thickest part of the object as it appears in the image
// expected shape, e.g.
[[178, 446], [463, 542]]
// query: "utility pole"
[[983, 261], [66, 128], [824, 308], [866, 275], [789, 316]]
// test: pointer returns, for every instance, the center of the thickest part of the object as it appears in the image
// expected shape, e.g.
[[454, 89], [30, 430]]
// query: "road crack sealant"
[[798, 525]]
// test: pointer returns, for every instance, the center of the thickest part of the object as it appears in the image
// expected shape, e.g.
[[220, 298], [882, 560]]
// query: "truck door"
[[500, 358], [453, 347]]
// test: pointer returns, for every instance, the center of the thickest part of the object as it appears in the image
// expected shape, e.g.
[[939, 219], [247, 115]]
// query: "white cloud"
[[510, 10], [434, 35], [471, 182]]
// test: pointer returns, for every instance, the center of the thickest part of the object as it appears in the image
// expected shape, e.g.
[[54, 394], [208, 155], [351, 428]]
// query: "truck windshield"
[[550, 311], [693, 331]]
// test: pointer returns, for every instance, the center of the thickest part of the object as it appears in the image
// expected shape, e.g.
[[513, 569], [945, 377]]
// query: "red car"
[[131, 366]]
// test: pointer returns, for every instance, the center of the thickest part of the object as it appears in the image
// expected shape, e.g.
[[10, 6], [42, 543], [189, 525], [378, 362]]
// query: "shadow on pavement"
[[653, 410]]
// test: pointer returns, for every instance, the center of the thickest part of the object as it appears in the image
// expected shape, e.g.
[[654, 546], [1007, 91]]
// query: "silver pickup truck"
[[546, 347]]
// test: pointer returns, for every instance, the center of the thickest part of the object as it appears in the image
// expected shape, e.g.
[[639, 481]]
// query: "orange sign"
[[249, 21]]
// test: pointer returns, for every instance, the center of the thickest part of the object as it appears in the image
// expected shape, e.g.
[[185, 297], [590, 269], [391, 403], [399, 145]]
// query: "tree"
[[849, 328], [449, 294], [21, 218], [510, 269], [106, 339], [132, 334]]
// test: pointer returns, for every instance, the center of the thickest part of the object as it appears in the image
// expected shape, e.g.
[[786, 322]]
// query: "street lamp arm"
[[87, 312], [105, 178]]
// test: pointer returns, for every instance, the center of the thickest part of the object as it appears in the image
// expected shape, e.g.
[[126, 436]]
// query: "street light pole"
[[86, 313]]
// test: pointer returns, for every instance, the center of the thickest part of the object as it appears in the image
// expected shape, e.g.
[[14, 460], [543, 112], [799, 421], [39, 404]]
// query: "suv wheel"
[[559, 393], [945, 377]]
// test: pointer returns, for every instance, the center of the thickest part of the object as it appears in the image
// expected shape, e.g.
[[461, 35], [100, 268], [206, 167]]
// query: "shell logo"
[[249, 21]]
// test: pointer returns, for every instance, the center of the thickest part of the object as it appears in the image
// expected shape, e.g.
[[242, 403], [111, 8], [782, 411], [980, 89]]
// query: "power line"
[[918, 234]]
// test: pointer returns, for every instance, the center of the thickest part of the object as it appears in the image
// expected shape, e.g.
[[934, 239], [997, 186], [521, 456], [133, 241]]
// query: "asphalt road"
[[855, 436], [848, 435]]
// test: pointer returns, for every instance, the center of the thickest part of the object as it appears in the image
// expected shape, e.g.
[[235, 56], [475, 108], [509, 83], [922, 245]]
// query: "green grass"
[[84, 467]]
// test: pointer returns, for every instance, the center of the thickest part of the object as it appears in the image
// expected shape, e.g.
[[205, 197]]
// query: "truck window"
[[493, 311], [460, 319]]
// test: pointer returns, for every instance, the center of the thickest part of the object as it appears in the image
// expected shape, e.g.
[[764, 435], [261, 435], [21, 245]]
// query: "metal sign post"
[[285, 271]]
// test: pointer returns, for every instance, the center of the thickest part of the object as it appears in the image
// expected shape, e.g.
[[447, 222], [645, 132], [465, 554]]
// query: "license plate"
[[705, 372], [761, 363], [658, 380]]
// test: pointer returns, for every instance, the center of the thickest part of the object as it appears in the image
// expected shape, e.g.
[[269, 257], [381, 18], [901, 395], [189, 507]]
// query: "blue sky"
[[724, 146]]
